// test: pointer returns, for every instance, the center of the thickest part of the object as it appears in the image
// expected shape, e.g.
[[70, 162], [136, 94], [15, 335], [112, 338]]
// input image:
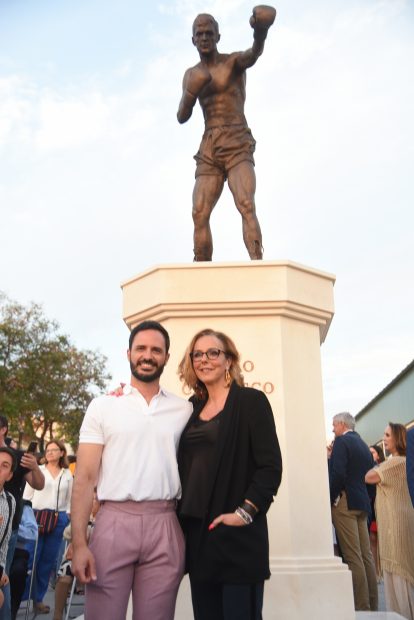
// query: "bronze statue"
[[218, 81]]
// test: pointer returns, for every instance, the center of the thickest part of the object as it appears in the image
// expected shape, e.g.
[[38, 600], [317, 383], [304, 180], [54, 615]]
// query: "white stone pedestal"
[[278, 313]]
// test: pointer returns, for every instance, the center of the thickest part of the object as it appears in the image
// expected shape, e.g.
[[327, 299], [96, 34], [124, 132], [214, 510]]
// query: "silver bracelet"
[[244, 516], [249, 508]]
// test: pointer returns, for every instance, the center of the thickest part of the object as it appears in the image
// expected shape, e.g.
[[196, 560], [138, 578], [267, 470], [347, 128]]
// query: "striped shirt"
[[5, 522]]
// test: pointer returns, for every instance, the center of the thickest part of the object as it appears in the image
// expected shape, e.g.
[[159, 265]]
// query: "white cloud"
[[47, 119], [360, 19], [126, 68], [15, 109], [191, 8], [70, 123]]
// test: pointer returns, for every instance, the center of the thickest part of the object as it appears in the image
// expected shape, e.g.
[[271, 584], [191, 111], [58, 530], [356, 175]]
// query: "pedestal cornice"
[[257, 288]]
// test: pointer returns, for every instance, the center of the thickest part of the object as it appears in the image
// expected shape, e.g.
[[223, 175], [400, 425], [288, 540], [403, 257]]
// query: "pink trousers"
[[138, 547]]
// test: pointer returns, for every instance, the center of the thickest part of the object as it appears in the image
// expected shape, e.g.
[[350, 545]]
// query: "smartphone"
[[32, 447]]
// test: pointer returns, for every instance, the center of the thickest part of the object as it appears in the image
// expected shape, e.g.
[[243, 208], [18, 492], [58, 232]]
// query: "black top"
[[15, 486], [198, 459], [246, 464]]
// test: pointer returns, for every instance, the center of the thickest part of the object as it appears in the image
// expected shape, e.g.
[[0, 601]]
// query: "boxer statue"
[[218, 81]]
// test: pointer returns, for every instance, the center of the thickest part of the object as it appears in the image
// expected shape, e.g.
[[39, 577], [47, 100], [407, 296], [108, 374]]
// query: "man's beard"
[[147, 378]]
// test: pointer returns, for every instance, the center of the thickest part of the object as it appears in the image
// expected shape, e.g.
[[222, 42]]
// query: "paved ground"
[[76, 609], [77, 606], [381, 598]]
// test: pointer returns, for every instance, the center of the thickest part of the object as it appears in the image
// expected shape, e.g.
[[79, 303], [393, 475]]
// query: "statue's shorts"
[[223, 148]]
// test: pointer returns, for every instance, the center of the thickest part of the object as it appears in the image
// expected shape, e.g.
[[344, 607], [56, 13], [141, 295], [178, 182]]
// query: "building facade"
[[395, 403]]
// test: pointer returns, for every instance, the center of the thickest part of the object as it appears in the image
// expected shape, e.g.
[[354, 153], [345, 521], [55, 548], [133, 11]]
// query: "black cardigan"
[[247, 465]]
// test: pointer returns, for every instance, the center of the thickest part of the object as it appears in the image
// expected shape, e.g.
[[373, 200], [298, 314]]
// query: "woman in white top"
[[55, 495]]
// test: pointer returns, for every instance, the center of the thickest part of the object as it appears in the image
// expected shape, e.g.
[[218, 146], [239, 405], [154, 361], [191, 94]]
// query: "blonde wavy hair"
[[186, 370]]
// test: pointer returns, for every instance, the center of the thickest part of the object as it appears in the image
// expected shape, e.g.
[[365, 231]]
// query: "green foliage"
[[46, 383]]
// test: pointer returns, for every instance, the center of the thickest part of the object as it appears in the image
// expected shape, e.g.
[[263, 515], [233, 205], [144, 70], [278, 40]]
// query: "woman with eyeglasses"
[[55, 496], [230, 467]]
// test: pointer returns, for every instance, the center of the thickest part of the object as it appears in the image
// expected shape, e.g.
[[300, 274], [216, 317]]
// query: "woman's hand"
[[230, 518], [119, 391]]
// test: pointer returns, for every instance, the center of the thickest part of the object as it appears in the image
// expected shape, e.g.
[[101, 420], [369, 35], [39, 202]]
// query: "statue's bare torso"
[[222, 100]]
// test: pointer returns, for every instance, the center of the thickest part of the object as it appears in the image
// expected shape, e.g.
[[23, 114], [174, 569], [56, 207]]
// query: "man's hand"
[[262, 18], [196, 79], [87, 468], [230, 518], [29, 461], [34, 476], [83, 565]]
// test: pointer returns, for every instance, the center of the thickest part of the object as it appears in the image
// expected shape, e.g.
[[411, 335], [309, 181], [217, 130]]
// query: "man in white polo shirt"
[[128, 446]]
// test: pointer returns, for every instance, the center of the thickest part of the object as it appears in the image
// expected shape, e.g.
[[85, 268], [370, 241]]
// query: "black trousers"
[[221, 601]]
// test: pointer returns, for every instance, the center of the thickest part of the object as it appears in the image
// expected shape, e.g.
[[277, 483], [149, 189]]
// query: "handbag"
[[46, 518]]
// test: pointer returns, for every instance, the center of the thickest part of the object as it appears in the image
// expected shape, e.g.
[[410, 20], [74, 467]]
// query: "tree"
[[46, 383]]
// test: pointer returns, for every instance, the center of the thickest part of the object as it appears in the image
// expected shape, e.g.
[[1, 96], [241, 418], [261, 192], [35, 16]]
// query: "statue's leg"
[[207, 191], [242, 183]]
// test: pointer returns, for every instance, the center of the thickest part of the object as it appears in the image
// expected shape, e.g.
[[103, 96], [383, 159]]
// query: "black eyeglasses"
[[211, 354]]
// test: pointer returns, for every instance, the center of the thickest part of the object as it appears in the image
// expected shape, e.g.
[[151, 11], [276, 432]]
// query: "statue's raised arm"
[[261, 20]]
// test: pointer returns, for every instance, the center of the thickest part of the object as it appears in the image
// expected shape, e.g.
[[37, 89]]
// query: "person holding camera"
[[54, 499]]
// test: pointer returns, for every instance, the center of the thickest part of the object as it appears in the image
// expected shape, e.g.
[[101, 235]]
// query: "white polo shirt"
[[140, 442]]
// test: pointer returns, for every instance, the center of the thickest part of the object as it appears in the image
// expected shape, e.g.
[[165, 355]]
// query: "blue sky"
[[96, 174]]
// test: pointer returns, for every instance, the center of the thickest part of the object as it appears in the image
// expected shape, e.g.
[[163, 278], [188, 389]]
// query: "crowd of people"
[[197, 479], [372, 500], [35, 495]]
